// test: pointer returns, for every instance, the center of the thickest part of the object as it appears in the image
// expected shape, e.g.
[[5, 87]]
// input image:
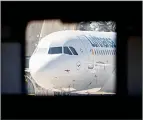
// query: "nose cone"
[[35, 64], [41, 70]]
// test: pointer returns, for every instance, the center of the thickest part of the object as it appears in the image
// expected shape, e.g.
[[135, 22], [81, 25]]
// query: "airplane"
[[74, 60]]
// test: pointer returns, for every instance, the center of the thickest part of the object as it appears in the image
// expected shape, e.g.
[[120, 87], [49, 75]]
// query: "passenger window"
[[67, 51], [73, 51], [55, 50]]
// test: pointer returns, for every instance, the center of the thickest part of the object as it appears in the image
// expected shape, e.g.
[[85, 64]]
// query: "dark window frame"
[[68, 49], [73, 49], [50, 52]]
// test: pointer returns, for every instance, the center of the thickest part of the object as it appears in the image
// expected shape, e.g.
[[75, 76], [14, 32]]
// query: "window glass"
[[55, 50], [67, 51], [73, 51]]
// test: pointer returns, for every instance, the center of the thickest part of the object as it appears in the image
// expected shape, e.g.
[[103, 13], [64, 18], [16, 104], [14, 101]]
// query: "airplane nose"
[[42, 71], [42, 76], [35, 64]]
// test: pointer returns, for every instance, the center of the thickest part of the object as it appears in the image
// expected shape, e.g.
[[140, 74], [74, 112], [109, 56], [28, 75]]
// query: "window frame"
[[55, 53], [74, 49], [68, 49]]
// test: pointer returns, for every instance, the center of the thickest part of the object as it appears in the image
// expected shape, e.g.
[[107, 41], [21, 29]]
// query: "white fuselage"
[[74, 59]]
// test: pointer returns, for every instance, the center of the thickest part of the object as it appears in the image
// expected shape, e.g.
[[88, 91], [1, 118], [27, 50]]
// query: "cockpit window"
[[67, 51], [55, 50], [73, 51]]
